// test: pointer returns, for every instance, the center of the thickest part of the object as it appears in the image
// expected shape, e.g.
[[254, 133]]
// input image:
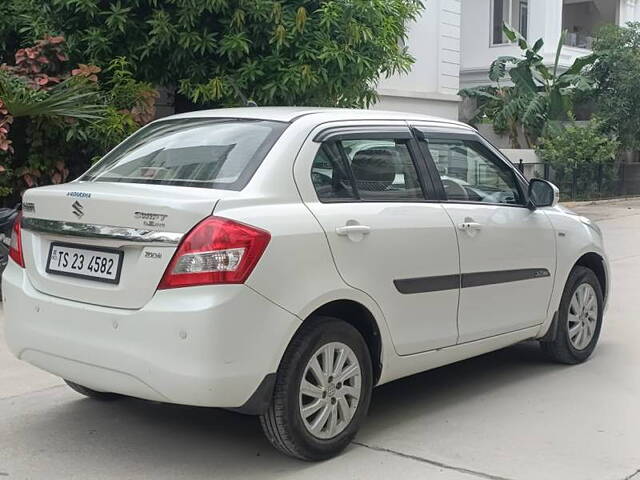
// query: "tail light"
[[15, 249], [217, 250]]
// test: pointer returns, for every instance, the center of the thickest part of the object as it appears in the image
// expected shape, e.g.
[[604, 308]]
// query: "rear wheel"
[[579, 318], [322, 393], [88, 392]]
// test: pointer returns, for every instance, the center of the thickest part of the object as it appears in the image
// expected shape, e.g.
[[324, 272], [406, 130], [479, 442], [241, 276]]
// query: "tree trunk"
[[513, 135]]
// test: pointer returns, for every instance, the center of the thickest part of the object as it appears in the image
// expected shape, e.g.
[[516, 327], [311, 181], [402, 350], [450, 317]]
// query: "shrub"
[[54, 118], [582, 157]]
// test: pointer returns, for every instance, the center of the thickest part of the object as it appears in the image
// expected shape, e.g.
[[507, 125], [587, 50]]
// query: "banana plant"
[[528, 95]]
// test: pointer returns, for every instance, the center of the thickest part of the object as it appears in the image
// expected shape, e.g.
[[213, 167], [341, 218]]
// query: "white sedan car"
[[284, 261]]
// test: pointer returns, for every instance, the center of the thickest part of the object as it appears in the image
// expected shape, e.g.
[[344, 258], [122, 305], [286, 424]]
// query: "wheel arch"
[[362, 319], [596, 263], [590, 259]]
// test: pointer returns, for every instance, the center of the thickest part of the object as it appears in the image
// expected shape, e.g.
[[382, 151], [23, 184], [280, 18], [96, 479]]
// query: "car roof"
[[291, 114]]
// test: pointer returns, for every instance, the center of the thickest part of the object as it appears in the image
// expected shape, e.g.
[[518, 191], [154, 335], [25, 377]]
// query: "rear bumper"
[[206, 346]]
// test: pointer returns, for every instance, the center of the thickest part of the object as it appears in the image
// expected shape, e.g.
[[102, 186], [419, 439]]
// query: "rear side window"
[[366, 169], [207, 153], [331, 179]]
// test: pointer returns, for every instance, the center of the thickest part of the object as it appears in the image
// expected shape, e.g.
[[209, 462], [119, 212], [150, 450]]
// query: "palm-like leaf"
[[522, 77], [579, 64], [498, 68], [533, 115], [513, 107], [556, 63], [478, 92], [514, 36], [68, 99], [538, 45]]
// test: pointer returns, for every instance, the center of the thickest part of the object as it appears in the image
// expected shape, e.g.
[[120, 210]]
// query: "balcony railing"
[[579, 40]]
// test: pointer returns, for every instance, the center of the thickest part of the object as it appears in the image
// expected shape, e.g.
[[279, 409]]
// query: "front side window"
[[196, 152], [471, 173], [366, 169], [512, 12]]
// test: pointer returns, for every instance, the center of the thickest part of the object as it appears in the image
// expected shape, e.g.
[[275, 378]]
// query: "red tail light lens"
[[15, 250], [217, 250]]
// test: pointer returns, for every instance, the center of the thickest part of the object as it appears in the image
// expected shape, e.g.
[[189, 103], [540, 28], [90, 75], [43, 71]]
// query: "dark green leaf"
[[538, 45]]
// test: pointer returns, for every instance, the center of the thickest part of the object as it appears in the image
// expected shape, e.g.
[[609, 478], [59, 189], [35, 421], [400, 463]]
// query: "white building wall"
[[432, 84], [545, 21], [629, 11], [477, 51], [451, 43]]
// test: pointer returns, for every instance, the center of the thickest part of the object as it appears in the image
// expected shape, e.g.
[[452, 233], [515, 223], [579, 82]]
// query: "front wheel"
[[322, 393], [579, 318]]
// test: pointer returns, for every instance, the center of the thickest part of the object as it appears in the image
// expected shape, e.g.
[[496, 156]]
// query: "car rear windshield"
[[194, 152]]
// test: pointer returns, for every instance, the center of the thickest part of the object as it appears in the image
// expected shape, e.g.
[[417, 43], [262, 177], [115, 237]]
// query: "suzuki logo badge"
[[77, 209]]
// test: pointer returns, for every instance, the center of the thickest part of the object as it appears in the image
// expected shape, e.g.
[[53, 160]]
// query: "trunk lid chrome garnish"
[[89, 230]]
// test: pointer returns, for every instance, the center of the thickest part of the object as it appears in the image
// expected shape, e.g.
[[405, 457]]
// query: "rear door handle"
[[469, 226], [353, 230]]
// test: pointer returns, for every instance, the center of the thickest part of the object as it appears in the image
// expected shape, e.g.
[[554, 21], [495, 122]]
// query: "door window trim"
[[360, 132], [423, 135], [331, 136]]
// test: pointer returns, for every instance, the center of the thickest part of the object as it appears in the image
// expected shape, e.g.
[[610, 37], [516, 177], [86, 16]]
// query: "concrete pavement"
[[506, 415]]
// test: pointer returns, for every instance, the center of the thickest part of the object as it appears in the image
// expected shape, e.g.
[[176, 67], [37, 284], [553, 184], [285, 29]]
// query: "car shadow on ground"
[[190, 441], [427, 394]]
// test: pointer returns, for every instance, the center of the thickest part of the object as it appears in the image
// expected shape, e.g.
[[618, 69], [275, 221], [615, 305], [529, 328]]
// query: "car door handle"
[[469, 226], [353, 230]]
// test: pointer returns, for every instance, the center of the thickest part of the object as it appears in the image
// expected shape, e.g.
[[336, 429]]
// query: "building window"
[[583, 19], [512, 12]]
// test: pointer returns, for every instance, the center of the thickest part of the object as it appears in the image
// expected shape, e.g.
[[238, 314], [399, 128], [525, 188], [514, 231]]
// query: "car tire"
[[576, 316], [94, 394], [291, 424]]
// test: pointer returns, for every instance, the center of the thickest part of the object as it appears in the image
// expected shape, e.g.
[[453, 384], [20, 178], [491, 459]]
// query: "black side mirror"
[[543, 193]]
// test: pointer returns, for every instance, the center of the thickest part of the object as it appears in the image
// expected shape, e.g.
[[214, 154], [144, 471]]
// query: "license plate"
[[91, 263]]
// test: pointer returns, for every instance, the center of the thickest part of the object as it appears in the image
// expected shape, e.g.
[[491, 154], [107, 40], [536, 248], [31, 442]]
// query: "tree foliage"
[[616, 73], [292, 52], [529, 96], [54, 118], [77, 76]]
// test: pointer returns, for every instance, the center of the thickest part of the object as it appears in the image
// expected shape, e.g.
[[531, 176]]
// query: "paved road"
[[507, 415]]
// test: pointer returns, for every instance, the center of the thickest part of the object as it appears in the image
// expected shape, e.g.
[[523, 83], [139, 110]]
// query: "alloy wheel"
[[330, 390], [582, 316]]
